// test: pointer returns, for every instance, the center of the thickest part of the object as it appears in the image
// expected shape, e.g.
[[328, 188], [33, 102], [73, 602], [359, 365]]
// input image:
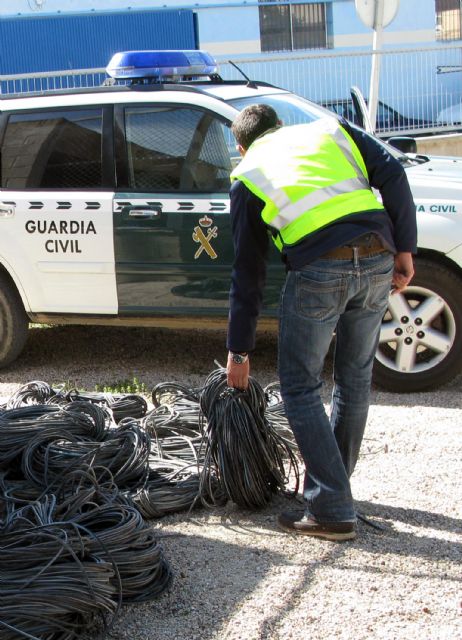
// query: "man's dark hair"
[[252, 122]]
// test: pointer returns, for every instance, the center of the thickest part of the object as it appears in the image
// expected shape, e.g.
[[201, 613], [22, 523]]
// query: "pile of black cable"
[[73, 546], [68, 564], [242, 449], [172, 486], [119, 405], [76, 483], [51, 586], [41, 443], [118, 533], [173, 424], [176, 446]]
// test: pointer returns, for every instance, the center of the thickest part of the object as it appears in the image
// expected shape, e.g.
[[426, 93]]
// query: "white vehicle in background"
[[114, 209], [451, 115]]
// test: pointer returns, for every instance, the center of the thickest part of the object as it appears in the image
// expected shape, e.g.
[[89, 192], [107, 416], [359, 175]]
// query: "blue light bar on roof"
[[160, 64]]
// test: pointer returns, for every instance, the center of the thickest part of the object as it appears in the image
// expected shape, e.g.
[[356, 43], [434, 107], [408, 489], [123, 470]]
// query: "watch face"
[[238, 359]]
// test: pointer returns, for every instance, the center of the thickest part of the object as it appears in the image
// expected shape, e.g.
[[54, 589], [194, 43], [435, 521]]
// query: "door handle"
[[143, 213], [7, 210]]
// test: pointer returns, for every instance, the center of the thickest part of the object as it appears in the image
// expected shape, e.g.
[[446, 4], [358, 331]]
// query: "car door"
[[361, 111], [56, 198], [173, 246]]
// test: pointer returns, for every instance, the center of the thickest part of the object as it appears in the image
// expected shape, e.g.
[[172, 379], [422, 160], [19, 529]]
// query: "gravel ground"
[[236, 576]]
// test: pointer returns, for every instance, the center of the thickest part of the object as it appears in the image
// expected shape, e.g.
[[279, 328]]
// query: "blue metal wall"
[[49, 43]]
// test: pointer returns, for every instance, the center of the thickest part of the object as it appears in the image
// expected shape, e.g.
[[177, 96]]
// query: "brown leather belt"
[[369, 245]]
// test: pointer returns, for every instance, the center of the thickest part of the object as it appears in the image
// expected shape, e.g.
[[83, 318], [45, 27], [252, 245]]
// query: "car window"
[[291, 109], [343, 108], [338, 108], [176, 148], [296, 110], [52, 150]]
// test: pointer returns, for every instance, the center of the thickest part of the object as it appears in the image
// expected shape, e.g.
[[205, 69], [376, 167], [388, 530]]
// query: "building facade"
[[295, 44], [262, 26]]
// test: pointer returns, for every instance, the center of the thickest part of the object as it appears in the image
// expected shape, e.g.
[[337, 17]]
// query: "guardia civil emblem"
[[205, 240]]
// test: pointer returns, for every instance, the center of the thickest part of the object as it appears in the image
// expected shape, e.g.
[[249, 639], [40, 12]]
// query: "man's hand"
[[238, 374], [403, 271]]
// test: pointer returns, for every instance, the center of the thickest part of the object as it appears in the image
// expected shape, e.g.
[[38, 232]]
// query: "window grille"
[[53, 149], [289, 27], [448, 19], [176, 149]]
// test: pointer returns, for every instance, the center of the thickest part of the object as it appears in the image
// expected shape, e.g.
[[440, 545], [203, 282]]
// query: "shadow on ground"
[[85, 356]]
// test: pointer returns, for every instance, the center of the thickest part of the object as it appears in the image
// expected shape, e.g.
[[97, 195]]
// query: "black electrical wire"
[[164, 391], [132, 545], [128, 447], [127, 405], [55, 451], [19, 426], [86, 487], [36, 392], [172, 486], [118, 559], [72, 544], [275, 414], [50, 585], [14, 495], [179, 416], [175, 445], [242, 450], [174, 425], [39, 392], [80, 472], [133, 406]]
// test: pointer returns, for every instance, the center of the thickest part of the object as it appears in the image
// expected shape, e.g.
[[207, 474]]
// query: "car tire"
[[14, 322], [420, 343]]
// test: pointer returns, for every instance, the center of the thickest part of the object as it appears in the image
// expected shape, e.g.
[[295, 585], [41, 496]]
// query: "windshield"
[[293, 109]]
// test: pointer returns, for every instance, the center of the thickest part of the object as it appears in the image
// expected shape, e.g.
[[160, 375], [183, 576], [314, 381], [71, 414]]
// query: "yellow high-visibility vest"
[[308, 176]]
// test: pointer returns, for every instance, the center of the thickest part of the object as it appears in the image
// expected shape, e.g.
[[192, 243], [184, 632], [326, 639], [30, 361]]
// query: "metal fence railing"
[[416, 85], [51, 80], [420, 88]]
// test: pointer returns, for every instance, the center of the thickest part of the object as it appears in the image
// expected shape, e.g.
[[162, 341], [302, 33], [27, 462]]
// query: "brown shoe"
[[307, 526]]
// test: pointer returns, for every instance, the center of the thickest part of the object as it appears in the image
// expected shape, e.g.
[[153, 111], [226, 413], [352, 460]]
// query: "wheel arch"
[[440, 258], [6, 273], [14, 320]]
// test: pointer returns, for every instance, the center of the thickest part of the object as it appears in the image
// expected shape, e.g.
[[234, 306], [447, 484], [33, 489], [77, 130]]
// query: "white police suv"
[[114, 209]]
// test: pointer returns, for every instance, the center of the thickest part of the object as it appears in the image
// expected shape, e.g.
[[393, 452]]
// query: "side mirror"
[[403, 143]]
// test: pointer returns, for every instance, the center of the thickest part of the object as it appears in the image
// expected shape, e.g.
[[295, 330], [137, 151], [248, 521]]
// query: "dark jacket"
[[396, 226]]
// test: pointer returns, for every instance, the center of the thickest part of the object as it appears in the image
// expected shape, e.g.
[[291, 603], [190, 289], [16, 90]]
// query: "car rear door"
[[173, 246]]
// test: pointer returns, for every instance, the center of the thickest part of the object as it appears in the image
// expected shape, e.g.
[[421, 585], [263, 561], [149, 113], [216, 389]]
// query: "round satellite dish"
[[367, 11]]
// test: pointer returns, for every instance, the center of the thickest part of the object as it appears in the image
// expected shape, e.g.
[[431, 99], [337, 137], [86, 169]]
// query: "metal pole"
[[375, 62]]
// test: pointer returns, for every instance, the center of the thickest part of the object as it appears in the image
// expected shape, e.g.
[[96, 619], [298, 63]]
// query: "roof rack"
[[196, 86]]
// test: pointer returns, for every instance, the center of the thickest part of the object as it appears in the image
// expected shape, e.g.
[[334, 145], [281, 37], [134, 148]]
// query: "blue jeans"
[[325, 296]]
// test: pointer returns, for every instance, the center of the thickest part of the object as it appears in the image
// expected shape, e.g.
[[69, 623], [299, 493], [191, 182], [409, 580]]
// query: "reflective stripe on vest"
[[281, 211], [290, 211]]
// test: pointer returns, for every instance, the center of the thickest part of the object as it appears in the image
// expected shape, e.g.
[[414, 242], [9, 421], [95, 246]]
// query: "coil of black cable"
[[242, 449]]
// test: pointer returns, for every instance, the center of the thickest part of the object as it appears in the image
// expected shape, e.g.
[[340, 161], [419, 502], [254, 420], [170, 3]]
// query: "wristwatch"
[[239, 358]]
